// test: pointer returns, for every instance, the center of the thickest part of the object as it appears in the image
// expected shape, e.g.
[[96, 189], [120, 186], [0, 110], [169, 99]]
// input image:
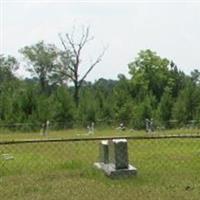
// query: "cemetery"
[[105, 117], [96, 167]]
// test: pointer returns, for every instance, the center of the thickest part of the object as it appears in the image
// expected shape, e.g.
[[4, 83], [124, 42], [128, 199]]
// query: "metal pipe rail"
[[49, 140]]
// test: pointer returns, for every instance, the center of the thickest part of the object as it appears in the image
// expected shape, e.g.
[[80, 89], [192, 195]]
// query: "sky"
[[170, 28]]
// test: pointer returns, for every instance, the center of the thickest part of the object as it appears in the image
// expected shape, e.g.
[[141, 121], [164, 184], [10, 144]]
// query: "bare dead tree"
[[72, 69]]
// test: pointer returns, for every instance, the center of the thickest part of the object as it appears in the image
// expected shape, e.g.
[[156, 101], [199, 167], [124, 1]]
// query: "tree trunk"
[[76, 94]]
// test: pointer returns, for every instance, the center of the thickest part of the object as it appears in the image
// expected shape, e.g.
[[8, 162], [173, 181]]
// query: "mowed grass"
[[82, 133], [167, 169]]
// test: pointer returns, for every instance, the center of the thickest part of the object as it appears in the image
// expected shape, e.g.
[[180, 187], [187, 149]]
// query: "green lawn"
[[167, 169], [74, 133]]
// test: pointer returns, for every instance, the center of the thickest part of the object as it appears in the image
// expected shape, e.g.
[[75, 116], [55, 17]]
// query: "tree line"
[[156, 89]]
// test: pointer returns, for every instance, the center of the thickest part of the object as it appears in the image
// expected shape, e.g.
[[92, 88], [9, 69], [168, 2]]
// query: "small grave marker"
[[149, 125], [7, 156], [45, 128], [90, 128]]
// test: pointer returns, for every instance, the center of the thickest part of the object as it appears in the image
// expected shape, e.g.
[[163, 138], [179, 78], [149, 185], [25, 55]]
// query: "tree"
[[87, 110], [143, 110], [177, 80], [73, 68], [195, 76], [103, 94], [150, 74], [8, 65], [41, 59], [165, 107], [187, 105], [123, 103], [65, 107], [8, 86]]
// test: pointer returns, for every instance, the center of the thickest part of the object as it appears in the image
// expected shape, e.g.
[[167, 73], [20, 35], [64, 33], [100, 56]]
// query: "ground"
[[167, 169]]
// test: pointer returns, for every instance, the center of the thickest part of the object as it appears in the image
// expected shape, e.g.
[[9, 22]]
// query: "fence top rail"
[[152, 137]]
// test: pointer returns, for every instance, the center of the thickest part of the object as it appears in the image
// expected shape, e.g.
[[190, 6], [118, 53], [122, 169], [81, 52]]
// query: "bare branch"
[[75, 47], [65, 47], [85, 38], [62, 72], [69, 76], [63, 42], [92, 66], [71, 43]]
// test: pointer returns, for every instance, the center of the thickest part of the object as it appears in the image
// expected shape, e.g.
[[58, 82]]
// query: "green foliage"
[[43, 62], [45, 108], [8, 87], [157, 89], [168, 169], [7, 66], [150, 74], [187, 105], [143, 110], [65, 107], [87, 111], [165, 107]]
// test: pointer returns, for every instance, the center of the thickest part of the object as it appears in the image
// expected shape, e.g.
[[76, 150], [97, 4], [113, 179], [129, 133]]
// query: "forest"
[[156, 89]]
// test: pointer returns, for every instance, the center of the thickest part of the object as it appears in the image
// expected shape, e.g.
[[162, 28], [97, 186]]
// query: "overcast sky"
[[171, 28]]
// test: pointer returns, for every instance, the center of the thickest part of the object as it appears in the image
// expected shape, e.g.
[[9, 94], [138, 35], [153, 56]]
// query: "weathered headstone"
[[121, 127], [90, 128], [46, 128], [119, 153], [149, 125], [104, 152], [114, 158]]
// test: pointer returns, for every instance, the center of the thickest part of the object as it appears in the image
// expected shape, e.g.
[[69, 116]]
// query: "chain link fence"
[[99, 124], [168, 167]]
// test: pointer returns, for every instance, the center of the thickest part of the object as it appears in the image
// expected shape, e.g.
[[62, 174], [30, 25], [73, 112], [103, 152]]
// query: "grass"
[[77, 133], [167, 169]]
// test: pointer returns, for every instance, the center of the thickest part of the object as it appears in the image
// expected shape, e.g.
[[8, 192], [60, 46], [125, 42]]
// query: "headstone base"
[[112, 172]]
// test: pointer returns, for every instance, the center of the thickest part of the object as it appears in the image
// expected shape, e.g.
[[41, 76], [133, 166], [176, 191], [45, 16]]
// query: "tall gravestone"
[[119, 153], [104, 152]]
